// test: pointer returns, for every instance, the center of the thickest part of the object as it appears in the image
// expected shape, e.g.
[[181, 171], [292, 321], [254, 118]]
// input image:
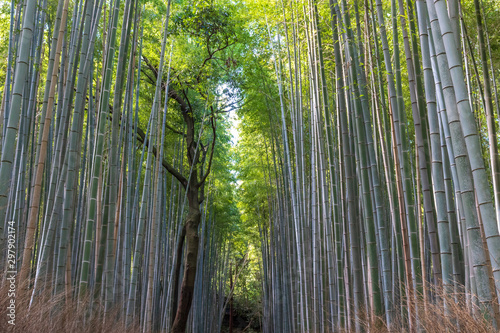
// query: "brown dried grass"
[[435, 317], [55, 314]]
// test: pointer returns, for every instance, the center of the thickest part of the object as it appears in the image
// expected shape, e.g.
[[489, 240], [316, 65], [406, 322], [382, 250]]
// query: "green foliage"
[[4, 39]]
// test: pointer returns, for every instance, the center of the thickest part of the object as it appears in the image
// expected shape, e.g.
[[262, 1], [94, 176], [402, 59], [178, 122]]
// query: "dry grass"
[[434, 317], [53, 314]]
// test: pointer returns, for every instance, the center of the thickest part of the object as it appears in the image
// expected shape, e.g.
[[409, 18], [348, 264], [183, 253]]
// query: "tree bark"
[[177, 272], [192, 244]]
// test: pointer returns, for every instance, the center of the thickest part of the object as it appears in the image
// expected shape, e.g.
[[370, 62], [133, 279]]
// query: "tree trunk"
[[231, 301], [192, 244]]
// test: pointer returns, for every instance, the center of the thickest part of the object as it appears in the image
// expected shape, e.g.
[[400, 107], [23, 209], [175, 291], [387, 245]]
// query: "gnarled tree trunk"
[[192, 244]]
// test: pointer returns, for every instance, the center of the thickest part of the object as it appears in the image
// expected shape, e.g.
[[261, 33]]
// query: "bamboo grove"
[[102, 209], [380, 167], [363, 191]]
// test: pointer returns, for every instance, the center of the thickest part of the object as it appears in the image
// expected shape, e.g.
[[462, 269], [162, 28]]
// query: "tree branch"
[[141, 136], [174, 130], [202, 180]]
